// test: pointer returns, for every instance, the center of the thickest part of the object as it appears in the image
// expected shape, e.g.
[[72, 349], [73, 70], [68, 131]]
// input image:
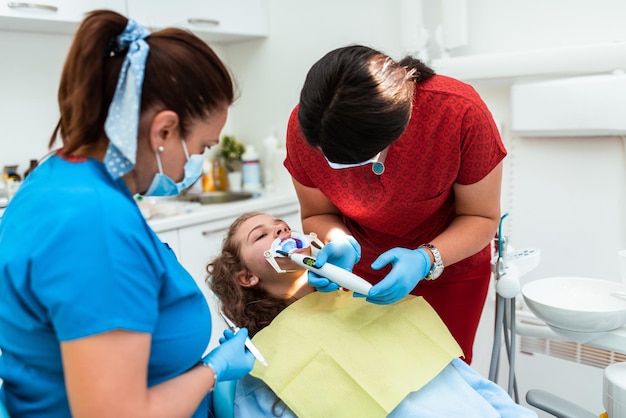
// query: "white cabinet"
[[213, 20], [199, 244], [60, 16], [171, 239]]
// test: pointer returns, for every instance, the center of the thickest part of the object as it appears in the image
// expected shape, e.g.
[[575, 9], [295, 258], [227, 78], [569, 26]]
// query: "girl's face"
[[255, 235]]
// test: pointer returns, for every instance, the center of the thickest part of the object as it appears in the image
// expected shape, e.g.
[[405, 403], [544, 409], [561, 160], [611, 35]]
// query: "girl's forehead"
[[258, 220], [257, 223]]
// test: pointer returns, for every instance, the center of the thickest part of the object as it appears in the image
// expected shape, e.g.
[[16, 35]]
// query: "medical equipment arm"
[[409, 267], [231, 360]]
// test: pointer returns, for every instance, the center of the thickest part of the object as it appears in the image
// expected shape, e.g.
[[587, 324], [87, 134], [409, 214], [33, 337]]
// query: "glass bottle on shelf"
[[33, 165]]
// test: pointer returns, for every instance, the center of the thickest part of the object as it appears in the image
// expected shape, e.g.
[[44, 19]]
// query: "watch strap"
[[437, 267]]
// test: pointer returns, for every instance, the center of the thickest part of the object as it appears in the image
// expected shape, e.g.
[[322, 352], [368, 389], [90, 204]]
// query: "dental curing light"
[[342, 277]]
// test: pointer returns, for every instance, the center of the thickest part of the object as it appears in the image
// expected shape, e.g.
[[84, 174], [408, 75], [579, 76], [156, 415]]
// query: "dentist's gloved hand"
[[231, 360], [342, 251], [409, 267]]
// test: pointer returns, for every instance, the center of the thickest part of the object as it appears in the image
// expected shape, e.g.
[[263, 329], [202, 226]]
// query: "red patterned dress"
[[451, 138]]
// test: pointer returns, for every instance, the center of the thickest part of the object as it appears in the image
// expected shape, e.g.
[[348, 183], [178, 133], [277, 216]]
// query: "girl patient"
[[254, 288]]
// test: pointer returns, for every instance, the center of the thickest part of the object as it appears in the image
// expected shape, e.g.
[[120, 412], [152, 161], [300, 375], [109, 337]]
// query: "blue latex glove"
[[409, 267], [342, 251], [231, 360]]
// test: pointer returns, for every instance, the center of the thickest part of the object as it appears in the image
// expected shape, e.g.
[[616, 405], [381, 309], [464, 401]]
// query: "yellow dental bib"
[[333, 355]]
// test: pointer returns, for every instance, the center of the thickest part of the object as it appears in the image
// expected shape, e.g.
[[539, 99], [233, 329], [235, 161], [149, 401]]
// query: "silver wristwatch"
[[437, 267]]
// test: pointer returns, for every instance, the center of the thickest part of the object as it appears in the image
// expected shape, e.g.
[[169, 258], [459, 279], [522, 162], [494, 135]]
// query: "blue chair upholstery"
[[223, 399], [3, 410]]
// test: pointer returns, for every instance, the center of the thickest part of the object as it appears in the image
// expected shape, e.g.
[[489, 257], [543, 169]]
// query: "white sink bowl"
[[577, 308]]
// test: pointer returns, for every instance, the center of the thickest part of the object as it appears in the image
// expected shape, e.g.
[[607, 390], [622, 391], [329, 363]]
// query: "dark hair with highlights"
[[357, 100], [182, 74]]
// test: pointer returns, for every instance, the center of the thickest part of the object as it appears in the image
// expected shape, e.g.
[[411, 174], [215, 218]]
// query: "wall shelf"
[[554, 62]]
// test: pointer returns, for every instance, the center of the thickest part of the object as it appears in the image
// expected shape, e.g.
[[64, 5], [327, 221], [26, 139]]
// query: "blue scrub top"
[[77, 259]]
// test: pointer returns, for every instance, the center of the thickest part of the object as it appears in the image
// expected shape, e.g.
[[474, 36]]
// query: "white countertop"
[[178, 214]]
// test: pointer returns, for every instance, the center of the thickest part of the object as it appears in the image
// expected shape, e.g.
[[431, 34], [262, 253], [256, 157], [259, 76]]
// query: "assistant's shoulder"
[[295, 137], [293, 126], [448, 86]]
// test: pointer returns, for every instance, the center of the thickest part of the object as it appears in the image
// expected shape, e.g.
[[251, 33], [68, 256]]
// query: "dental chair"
[[555, 405], [3, 410], [223, 399]]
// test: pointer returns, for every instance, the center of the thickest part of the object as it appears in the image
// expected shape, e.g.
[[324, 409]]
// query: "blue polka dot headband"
[[122, 123]]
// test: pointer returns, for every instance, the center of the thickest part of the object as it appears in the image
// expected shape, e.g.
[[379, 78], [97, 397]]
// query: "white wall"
[[565, 196], [29, 77], [271, 72], [512, 25]]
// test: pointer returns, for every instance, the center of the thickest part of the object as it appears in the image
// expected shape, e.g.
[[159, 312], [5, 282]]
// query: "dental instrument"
[[249, 345], [342, 277]]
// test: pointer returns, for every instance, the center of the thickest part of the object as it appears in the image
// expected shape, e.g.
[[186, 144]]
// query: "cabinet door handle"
[[197, 21], [46, 7], [213, 231]]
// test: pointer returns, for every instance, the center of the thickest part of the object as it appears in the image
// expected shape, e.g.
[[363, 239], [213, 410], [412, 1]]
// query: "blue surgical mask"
[[162, 185]]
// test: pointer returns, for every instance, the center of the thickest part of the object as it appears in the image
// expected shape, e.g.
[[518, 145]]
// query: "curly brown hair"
[[250, 307]]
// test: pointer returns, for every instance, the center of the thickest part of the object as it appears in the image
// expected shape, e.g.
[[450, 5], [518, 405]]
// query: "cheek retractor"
[[295, 241]]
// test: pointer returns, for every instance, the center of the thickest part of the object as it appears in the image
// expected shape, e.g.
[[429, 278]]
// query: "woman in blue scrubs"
[[97, 317]]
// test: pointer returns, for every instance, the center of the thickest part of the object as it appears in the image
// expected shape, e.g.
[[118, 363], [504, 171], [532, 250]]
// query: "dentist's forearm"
[[465, 236]]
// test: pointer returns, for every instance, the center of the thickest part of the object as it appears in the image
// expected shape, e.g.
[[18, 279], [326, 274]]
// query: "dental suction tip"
[[281, 252]]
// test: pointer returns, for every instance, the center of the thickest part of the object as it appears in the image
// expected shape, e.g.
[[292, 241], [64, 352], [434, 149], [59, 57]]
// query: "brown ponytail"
[[182, 74], [88, 80]]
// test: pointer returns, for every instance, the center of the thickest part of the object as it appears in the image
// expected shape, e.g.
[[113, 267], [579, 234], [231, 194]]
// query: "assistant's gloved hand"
[[409, 267], [342, 251], [231, 360]]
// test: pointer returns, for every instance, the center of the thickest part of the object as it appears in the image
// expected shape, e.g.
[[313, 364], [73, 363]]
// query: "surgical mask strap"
[[159, 165], [122, 123], [158, 158], [185, 149]]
